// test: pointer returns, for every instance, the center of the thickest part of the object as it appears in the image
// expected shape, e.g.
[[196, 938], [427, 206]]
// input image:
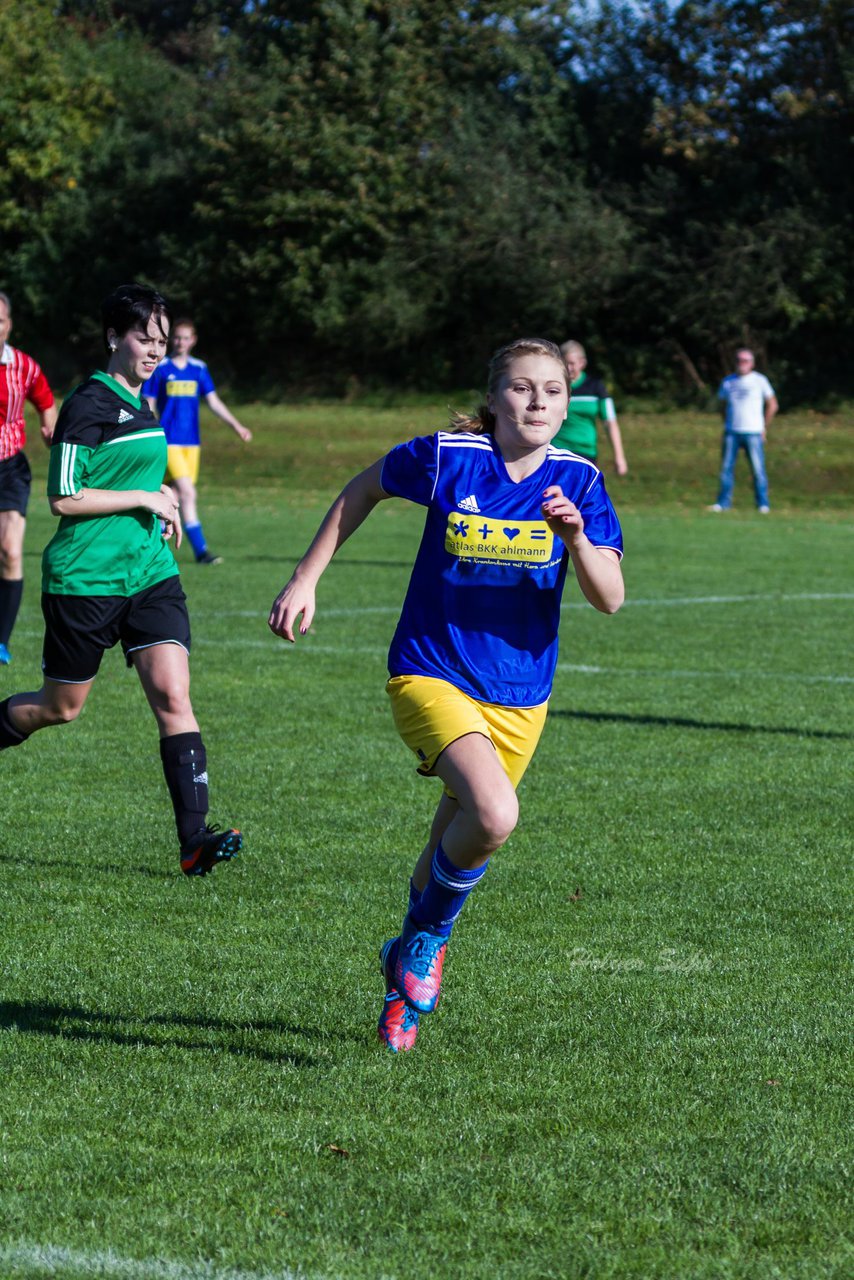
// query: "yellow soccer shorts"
[[182, 462], [430, 714]]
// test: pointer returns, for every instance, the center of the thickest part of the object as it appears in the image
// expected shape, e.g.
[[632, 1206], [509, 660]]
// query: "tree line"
[[350, 192]]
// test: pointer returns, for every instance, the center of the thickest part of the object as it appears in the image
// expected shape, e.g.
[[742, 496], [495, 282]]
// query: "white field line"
[[584, 669], [40, 1261], [578, 668], [378, 652], [309, 649], [773, 596], [271, 644], [659, 602]]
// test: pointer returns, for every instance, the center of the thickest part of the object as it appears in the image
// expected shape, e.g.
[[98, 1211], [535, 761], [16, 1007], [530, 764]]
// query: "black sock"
[[185, 766], [10, 603], [9, 735]]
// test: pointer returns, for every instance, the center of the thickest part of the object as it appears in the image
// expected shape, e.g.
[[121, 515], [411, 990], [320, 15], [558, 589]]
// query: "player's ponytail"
[[477, 422]]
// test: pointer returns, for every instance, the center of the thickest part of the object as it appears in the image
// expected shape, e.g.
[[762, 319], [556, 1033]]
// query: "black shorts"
[[78, 629], [15, 480]]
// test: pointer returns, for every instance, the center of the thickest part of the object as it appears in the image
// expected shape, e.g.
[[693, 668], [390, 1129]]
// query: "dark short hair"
[[131, 306]]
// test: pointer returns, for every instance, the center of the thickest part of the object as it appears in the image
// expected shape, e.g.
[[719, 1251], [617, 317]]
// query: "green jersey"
[[589, 402], [106, 438]]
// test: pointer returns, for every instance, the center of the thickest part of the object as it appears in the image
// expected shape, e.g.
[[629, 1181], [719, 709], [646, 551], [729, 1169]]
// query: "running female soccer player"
[[474, 654], [108, 574]]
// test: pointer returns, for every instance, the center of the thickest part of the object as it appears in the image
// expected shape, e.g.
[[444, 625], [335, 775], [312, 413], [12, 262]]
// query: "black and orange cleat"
[[207, 847]]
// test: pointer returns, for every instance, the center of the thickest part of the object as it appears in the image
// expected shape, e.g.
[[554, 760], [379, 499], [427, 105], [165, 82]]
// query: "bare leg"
[[186, 492], [471, 827], [54, 703], [485, 810], [12, 526], [164, 672]]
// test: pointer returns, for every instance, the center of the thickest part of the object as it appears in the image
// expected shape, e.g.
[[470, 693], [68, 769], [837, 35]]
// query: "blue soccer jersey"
[[483, 604], [178, 392]]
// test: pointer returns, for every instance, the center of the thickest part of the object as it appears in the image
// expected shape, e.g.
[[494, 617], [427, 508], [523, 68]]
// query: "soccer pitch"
[[639, 1065]]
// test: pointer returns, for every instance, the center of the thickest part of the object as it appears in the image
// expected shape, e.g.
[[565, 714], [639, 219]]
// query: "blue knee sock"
[[445, 892], [197, 538]]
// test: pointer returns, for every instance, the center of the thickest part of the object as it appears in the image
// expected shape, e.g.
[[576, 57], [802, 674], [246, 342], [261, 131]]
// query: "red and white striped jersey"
[[21, 379]]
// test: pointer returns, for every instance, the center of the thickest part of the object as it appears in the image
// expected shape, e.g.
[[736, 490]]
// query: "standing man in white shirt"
[[748, 404]]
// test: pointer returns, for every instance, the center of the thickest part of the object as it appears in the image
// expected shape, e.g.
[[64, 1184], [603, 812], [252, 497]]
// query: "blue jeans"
[[754, 447]]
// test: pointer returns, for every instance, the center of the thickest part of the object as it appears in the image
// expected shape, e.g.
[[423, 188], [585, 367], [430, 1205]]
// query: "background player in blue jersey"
[[473, 657], [174, 392]]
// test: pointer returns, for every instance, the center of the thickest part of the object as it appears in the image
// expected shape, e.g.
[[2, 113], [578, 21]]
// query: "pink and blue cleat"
[[398, 1024], [418, 967]]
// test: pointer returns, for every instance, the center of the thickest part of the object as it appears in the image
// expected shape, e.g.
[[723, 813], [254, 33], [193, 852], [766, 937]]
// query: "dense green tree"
[[131, 183], [388, 188], [54, 104], [742, 128], [398, 192]]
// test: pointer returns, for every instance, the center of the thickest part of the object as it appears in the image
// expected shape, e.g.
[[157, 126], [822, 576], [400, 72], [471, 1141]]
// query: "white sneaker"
[[716, 506], [764, 511]]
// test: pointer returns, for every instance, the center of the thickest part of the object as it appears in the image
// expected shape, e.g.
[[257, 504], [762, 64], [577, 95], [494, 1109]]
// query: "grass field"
[[640, 1067]]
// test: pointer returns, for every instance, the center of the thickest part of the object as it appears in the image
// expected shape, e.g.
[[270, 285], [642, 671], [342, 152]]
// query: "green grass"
[[639, 1065]]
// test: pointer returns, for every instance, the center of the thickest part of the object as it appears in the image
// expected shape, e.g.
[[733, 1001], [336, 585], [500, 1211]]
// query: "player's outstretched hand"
[[562, 516], [293, 601], [244, 432]]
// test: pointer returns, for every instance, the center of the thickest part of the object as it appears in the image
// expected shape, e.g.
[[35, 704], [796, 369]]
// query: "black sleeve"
[[81, 419]]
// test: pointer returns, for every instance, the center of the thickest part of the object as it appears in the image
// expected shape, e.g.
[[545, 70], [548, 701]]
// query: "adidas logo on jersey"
[[124, 416], [469, 504]]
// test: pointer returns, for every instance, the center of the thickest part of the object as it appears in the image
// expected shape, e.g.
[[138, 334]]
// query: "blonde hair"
[[573, 346], [482, 419]]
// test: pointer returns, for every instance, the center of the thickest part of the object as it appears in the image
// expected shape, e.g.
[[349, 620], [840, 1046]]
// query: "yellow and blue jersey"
[[483, 604], [178, 392]]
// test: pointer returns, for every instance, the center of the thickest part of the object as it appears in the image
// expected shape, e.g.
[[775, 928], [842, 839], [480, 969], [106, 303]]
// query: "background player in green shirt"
[[589, 404], [108, 575]]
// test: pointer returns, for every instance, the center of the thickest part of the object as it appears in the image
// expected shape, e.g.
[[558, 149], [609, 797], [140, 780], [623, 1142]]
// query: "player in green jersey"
[[589, 404], [108, 575]]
